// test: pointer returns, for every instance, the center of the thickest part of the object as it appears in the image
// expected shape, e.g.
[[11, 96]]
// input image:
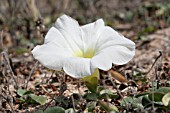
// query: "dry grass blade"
[[30, 74]]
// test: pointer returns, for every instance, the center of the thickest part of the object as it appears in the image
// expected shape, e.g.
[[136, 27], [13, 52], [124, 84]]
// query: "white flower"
[[79, 50]]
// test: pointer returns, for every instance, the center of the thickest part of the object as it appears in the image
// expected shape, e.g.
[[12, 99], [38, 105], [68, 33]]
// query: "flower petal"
[[50, 55], [90, 34], [101, 61], [119, 54], [110, 37], [114, 54], [77, 67], [71, 31], [112, 47], [54, 36]]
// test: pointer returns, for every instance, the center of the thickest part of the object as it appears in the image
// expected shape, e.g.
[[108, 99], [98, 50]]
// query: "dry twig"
[[118, 91], [30, 74]]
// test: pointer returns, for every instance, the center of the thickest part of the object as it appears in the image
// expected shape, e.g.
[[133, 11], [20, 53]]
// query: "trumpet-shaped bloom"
[[79, 50]]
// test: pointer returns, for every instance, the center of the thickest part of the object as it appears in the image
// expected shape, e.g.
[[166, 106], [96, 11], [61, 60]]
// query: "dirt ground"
[[23, 25]]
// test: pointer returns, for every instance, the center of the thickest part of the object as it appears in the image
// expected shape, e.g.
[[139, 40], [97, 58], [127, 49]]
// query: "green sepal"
[[91, 81]]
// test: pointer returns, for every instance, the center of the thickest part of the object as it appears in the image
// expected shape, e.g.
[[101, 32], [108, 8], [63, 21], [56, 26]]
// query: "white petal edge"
[[51, 56], [71, 31], [118, 55], [110, 37], [77, 67]]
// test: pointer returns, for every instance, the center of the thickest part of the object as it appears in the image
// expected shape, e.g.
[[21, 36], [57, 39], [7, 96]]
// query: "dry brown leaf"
[[118, 76]]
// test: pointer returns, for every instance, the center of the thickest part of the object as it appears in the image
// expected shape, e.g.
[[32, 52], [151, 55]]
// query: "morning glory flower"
[[79, 50]]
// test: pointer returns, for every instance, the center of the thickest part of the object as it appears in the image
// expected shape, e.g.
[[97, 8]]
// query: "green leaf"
[[156, 105], [107, 93], [127, 100], [91, 106], [148, 29], [28, 92], [146, 101], [21, 100], [21, 50], [100, 88], [21, 92], [157, 96], [134, 102], [60, 99], [129, 15], [55, 109], [39, 111], [39, 99], [90, 96], [164, 90], [91, 81], [63, 100], [166, 99]]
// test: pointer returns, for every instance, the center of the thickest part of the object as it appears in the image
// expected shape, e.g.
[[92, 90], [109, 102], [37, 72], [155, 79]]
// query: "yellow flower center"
[[88, 54]]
